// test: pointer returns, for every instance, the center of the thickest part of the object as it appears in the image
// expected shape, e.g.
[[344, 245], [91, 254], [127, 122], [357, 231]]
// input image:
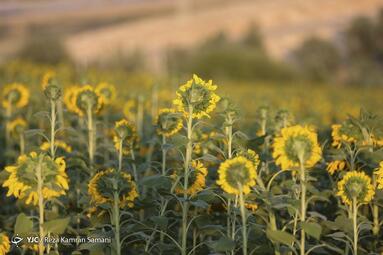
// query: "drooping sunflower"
[[58, 144], [295, 144], [87, 98], [22, 180], [379, 175], [236, 174], [17, 127], [100, 188], [14, 95], [130, 109], [250, 155], [4, 244], [197, 179], [168, 122], [336, 165], [355, 185], [198, 95], [107, 92], [125, 132], [70, 98]]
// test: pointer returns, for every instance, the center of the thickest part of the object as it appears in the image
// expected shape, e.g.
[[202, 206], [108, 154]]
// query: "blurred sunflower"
[[338, 136], [17, 127], [87, 99], [22, 180], [355, 185], [4, 244], [125, 132], [250, 155], [379, 175], [47, 78], [168, 122], [236, 174], [197, 179], [14, 95], [198, 95], [107, 92], [336, 165], [295, 144], [70, 98], [130, 109], [58, 144], [252, 206], [101, 191]]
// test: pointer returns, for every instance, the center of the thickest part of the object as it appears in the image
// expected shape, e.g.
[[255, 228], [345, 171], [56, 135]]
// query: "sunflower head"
[[102, 186], [283, 119], [336, 165], [130, 109], [107, 92], [197, 95], [14, 95], [17, 127], [22, 180], [4, 244], [87, 99], [379, 175], [125, 132], [355, 185], [197, 179], [250, 155], [236, 175], [169, 122], [59, 144], [70, 98], [296, 145], [50, 87]]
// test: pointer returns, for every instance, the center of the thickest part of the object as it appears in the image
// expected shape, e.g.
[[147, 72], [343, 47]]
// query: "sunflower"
[[168, 122], [47, 79], [198, 95], [336, 165], [355, 185], [101, 191], [58, 144], [236, 174], [107, 92], [15, 95], [17, 127], [87, 98], [126, 132], [70, 98], [197, 179], [250, 155], [295, 144], [338, 136], [4, 244], [252, 206], [130, 109], [50, 86], [22, 180], [379, 175]]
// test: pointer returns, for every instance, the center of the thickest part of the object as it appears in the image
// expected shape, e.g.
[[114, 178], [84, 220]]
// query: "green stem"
[[90, 136], [53, 126], [41, 205], [375, 212], [116, 218], [244, 222], [22, 144], [120, 155], [355, 225], [303, 205], [163, 156], [135, 174]]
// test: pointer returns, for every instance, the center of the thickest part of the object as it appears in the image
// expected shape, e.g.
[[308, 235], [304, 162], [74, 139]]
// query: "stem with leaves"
[[355, 224], [244, 222], [40, 182], [303, 204]]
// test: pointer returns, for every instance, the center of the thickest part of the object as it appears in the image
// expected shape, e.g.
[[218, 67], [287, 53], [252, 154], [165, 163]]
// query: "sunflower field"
[[91, 167]]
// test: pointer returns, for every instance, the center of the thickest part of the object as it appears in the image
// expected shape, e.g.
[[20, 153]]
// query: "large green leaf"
[[280, 236], [56, 226], [222, 245], [312, 229], [24, 224]]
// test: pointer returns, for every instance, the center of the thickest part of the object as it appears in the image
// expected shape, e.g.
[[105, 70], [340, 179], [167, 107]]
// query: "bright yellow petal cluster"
[[55, 179], [379, 175], [107, 92], [250, 155], [4, 244], [336, 165], [199, 173], [168, 124], [14, 95], [252, 206], [126, 200], [356, 185], [126, 132], [16, 127], [58, 144], [70, 98], [199, 95], [338, 138], [47, 78], [296, 142], [87, 97], [237, 174]]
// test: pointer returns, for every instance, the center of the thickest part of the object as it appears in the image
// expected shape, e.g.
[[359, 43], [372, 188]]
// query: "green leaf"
[[312, 229], [156, 181], [222, 245], [56, 226], [161, 221], [280, 236], [23, 225]]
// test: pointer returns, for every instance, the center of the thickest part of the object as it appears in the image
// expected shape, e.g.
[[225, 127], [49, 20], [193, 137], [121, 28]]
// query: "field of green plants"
[[100, 163]]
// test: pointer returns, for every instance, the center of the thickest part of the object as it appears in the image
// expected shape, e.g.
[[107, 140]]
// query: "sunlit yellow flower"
[[107, 92], [47, 78], [168, 122], [4, 244], [355, 185], [17, 127], [252, 206], [336, 165], [198, 95], [126, 132], [70, 98], [338, 137], [22, 180], [197, 179], [295, 145], [130, 109], [250, 155], [58, 144], [14, 95], [87, 100], [379, 175], [100, 188], [236, 174]]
